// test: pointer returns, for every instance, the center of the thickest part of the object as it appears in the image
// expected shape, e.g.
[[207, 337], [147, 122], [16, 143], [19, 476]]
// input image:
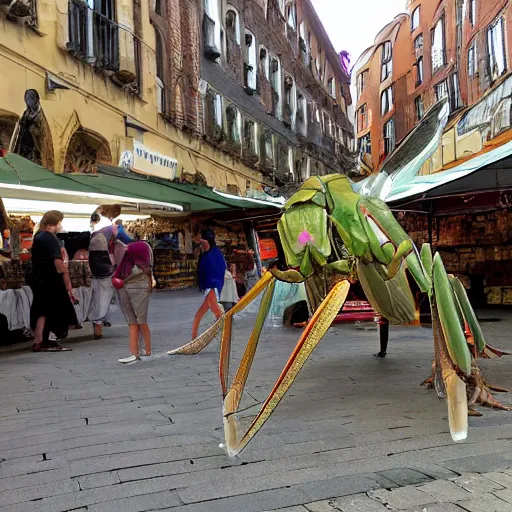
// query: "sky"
[[353, 24]]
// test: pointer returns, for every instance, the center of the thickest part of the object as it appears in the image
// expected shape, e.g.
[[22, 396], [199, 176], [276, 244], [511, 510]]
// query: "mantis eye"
[[381, 237]]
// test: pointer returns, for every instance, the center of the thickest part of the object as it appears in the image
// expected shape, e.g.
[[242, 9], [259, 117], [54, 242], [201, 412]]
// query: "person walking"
[[133, 280], [101, 250], [210, 272], [51, 310]]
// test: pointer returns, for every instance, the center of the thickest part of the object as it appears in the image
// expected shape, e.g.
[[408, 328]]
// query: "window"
[[438, 53], [364, 145], [264, 63], [441, 90], [496, 49], [233, 121], [472, 61], [319, 64], [455, 97], [362, 118], [267, 147], [304, 45], [249, 137], [331, 87], [301, 116], [212, 29], [386, 101], [160, 80], [389, 137], [94, 34], [419, 71], [472, 12], [362, 79], [418, 45], [291, 15], [289, 99], [250, 61], [217, 110], [420, 108], [275, 82], [415, 19], [387, 61], [232, 25]]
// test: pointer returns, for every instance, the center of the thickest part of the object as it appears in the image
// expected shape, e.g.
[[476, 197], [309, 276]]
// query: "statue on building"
[[28, 141]]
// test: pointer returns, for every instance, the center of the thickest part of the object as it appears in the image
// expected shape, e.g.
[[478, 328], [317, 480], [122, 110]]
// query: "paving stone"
[[354, 503], [156, 501], [501, 478], [299, 508], [440, 507], [505, 495], [443, 490], [475, 483], [403, 498], [98, 480], [343, 486], [485, 503], [254, 502], [36, 492], [405, 476]]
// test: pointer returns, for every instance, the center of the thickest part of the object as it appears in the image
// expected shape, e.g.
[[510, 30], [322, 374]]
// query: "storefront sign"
[[150, 162], [268, 249]]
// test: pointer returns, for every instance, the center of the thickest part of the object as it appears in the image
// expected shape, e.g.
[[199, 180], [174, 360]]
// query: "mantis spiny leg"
[[205, 338], [313, 333]]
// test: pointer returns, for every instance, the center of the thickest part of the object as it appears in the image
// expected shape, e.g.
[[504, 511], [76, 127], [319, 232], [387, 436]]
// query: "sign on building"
[[150, 162]]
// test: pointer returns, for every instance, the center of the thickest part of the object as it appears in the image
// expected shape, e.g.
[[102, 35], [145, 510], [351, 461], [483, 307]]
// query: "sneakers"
[[130, 359]]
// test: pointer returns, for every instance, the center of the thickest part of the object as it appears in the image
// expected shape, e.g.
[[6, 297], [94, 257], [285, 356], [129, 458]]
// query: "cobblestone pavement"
[[80, 432]]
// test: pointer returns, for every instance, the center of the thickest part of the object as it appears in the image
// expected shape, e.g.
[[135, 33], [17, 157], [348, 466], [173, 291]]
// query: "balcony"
[[104, 44]]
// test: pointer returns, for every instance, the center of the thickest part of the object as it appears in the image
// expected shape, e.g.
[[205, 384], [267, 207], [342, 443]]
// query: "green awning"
[[111, 185], [22, 179]]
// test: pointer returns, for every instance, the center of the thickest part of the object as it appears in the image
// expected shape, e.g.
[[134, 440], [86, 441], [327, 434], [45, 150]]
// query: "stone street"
[[81, 432]]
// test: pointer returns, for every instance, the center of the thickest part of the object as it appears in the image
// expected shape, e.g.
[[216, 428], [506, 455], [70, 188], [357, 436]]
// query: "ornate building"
[[244, 96]]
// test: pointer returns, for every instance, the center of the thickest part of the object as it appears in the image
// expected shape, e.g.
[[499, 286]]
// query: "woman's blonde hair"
[[51, 218]]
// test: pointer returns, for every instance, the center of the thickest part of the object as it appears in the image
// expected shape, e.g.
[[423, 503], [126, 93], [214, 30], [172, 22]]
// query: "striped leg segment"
[[313, 333]]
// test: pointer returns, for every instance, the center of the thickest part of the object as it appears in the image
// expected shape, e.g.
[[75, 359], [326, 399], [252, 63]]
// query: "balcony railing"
[[104, 44]]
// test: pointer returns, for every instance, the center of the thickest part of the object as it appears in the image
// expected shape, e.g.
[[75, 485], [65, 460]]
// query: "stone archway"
[[85, 151]]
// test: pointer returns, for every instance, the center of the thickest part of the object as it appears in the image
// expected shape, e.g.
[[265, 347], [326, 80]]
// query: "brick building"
[[460, 50], [275, 91]]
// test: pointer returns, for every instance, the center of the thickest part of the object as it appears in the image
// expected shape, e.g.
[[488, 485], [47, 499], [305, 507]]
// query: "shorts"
[[217, 294]]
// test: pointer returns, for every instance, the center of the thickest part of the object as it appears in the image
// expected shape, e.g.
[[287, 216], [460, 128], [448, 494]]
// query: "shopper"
[[101, 250], [211, 270], [133, 279], [51, 310]]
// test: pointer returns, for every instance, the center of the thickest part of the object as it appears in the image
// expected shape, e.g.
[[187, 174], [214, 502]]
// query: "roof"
[[449, 182], [20, 178]]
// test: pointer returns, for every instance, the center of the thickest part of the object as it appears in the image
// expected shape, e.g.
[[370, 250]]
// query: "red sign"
[[268, 249]]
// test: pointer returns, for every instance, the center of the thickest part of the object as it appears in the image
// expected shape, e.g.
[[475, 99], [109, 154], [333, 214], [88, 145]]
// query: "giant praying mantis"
[[328, 229]]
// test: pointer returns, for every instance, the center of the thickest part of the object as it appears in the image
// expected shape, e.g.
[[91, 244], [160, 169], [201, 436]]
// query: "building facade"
[[276, 93], [456, 49], [460, 50], [139, 84]]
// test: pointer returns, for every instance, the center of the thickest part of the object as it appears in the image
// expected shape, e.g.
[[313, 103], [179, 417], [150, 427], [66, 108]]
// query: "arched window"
[[291, 14], [275, 82], [233, 120], [264, 69], [232, 25], [250, 61]]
